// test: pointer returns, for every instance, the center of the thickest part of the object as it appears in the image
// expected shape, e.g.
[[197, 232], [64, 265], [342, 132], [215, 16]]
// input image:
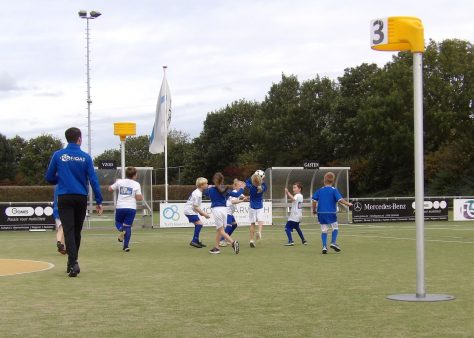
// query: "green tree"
[[36, 157], [108, 155], [449, 116], [7, 160], [138, 155], [224, 139]]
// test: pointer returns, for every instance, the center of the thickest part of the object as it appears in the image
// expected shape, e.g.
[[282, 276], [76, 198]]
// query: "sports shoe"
[[215, 251], [121, 236], [195, 244], [127, 249], [236, 247], [335, 247], [74, 270], [202, 244], [290, 244], [252, 244], [305, 242], [69, 267], [259, 235], [325, 250], [222, 244]]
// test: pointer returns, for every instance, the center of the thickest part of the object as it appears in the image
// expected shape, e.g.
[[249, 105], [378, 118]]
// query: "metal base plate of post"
[[411, 297]]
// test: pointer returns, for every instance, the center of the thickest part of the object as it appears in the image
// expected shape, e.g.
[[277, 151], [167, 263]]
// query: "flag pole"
[[166, 135]]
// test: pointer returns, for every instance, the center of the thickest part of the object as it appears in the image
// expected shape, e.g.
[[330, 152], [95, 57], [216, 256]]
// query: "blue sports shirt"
[[327, 198], [256, 198], [218, 199], [72, 170]]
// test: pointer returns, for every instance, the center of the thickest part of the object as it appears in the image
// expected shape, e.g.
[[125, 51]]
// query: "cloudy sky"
[[216, 52]]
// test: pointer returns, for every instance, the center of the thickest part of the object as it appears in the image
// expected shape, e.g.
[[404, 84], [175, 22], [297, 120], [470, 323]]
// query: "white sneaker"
[[259, 235], [252, 244], [222, 244]]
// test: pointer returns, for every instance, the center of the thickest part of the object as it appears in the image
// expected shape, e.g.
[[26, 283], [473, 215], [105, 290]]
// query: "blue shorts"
[[292, 225], [125, 216], [231, 219], [328, 218], [193, 218]]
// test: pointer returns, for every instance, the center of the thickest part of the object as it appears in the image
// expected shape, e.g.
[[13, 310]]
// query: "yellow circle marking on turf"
[[10, 267]]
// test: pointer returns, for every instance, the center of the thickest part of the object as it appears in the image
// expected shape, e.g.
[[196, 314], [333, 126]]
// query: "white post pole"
[[419, 175], [166, 136], [420, 295], [89, 101], [122, 157]]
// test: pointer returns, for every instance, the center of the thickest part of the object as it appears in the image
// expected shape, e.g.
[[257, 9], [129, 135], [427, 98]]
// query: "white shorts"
[[58, 223], [334, 226], [220, 216], [256, 215]]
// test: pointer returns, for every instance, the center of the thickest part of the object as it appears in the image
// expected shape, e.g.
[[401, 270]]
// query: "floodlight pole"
[[87, 17]]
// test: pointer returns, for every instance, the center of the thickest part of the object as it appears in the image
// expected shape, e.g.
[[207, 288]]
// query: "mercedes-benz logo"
[[357, 206]]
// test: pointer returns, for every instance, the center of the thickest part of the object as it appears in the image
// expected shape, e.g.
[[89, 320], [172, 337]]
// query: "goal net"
[[144, 208], [279, 178]]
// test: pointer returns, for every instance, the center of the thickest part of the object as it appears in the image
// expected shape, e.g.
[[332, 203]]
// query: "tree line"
[[364, 120]]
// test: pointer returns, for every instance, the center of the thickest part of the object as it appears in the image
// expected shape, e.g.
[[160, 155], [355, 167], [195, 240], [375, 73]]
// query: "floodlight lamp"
[[82, 14], [95, 14]]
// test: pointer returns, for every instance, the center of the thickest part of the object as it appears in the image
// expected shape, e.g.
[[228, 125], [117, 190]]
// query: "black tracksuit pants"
[[72, 211]]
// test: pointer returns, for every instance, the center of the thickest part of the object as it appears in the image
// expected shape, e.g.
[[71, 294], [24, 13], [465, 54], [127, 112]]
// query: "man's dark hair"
[[72, 135]]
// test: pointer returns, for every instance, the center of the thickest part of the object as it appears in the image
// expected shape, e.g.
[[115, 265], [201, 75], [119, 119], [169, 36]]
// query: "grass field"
[[165, 288]]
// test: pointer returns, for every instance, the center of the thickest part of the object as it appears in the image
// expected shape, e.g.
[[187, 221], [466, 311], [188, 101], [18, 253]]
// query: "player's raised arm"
[[289, 194]]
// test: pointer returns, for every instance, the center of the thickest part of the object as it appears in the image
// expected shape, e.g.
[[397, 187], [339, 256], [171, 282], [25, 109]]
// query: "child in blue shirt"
[[324, 203], [218, 194], [256, 188]]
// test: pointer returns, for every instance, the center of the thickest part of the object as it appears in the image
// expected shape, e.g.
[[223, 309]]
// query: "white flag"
[[162, 120]]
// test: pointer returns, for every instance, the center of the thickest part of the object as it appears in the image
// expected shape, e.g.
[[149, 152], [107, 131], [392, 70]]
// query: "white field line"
[[410, 239]]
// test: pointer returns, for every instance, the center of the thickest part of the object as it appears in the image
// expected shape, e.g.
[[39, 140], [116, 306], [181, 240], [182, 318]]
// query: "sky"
[[217, 52]]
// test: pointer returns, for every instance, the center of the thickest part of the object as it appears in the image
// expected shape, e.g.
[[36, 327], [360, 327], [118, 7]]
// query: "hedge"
[[45, 193]]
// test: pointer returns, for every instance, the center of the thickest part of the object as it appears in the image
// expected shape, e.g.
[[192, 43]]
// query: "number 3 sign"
[[379, 32]]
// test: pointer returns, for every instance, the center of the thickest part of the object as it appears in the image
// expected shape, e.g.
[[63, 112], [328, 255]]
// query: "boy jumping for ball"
[[324, 203], [129, 192], [192, 210], [296, 214]]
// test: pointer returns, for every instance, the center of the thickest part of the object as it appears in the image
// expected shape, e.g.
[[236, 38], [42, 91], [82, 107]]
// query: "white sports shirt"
[[194, 200], [296, 213], [231, 208], [127, 189]]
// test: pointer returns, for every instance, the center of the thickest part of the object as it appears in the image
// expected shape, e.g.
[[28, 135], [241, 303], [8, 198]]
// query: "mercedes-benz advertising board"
[[400, 210]]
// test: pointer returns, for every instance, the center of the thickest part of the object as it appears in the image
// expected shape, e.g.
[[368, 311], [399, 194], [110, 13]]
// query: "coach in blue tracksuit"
[[72, 170]]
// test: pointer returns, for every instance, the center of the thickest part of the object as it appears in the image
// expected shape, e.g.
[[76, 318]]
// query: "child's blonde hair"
[[329, 178], [200, 181], [256, 180]]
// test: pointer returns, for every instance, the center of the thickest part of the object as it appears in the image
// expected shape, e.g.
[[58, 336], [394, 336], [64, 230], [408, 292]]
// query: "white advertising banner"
[[172, 215], [463, 209]]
